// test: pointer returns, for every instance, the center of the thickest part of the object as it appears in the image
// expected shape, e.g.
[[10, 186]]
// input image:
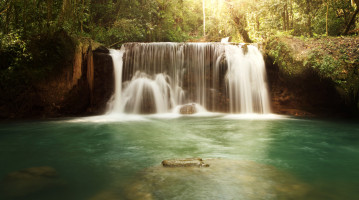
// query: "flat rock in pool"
[[187, 162], [224, 179], [29, 181]]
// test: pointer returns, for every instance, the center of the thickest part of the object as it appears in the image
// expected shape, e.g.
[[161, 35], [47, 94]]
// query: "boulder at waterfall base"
[[188, 109]]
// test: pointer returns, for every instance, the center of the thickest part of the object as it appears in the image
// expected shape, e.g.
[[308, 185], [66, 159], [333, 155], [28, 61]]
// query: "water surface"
[[97, 158]]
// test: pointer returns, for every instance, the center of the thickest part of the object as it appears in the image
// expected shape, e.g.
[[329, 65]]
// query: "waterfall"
[[225, 40], [246, 80], [159, 77], [115, 102]]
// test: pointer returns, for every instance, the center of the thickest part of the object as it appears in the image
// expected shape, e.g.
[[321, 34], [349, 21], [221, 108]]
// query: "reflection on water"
[[282, 158]]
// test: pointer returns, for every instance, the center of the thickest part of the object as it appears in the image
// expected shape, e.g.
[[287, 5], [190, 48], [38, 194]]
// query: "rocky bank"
[[313, 77]]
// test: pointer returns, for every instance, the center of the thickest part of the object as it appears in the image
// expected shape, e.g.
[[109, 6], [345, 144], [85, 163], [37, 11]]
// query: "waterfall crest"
[[158, 77]]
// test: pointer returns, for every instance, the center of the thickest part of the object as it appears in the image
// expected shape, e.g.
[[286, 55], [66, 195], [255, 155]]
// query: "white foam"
[[114, 117], [225, 40], [255, 116]]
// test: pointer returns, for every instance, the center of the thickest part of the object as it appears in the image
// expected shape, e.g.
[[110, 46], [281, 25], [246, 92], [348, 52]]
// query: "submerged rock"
[[28, 181], [188, 109], [224, 179], [187, 162]]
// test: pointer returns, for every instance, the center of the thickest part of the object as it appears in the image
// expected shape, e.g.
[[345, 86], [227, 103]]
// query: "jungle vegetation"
[[37, 37]]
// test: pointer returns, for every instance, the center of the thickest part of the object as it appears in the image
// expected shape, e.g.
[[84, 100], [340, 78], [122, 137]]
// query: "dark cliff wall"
[[306, 94], [81, 88], [306, 84], [104, 80]]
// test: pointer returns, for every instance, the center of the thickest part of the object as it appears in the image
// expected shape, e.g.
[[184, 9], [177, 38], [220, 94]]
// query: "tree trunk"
[[326, 19], [82, 15], [63, 13], [8, 18], [245, 36], [351, 22], [309, 26], [291, 14], [241, 28], [24, 18], [287, 16], [204, 19], [5, 9], [309, 20], [49, 13], [284, 23], [240, 21]]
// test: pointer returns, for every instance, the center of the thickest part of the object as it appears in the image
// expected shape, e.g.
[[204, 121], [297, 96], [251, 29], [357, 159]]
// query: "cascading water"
[[115, 102], [158, 77], [145, 95], [246, 80]]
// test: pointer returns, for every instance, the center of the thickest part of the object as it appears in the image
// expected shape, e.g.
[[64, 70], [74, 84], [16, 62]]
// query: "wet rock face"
[[83, 86], [188, 109], [30, 181], [187, 162], [103, 80], [94, 87]]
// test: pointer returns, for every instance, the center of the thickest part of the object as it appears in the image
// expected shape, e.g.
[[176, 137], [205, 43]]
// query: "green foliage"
[[113, 21], [24, 63], [26, 36], [116, 22], [325, 64], [331, 58], [14, 51], [284, 57]]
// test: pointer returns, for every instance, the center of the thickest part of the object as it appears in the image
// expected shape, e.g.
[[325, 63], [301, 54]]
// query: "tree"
[[352, 19], [204, 18], [240, 20]]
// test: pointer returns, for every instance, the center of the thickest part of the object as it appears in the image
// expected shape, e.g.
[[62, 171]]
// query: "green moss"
[[326, 65], [284, 56]]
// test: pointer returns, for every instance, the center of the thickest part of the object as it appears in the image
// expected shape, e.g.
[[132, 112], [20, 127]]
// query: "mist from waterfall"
[[159, 77]]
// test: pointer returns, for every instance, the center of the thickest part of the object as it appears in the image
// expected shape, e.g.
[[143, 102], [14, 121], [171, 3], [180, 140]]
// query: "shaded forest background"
[[31, 30], [38, 37], [113, 22]]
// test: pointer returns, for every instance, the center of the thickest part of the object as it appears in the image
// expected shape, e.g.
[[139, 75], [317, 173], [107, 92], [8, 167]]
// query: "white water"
[[115, 102], [159, 77], [143, 90], [245, 78], [225, 40]]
